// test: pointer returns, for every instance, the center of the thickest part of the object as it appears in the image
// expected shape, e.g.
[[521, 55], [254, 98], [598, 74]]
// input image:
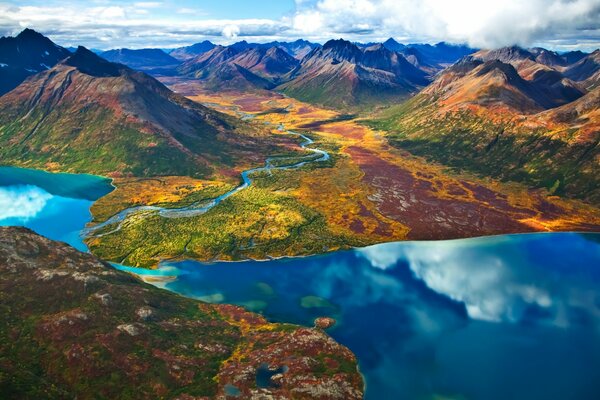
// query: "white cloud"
[[480, 23], [495, 281], [23, 202], [559, 24], [108, 12], [231, 31]]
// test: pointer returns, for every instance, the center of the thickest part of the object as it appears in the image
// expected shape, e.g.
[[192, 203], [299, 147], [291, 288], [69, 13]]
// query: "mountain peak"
[[89, 63], [392, 45], [338, 43], [342, 49], [30, 33]]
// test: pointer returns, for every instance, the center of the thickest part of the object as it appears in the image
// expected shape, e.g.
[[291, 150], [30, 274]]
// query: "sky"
[[106, 24]]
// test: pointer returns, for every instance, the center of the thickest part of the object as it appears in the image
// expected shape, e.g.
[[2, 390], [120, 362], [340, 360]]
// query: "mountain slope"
[[140, 59], [231, 68], [24, 55], [89, 115], [72, 326], [484, 117], [495, 83], [586, 70], [185, 53], [340, 74]]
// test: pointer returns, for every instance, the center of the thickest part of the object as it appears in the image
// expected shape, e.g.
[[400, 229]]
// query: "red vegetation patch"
[[410, 200]]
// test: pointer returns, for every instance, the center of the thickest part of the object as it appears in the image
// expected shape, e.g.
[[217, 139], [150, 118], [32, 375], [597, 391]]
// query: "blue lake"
[[505, 317], [54, 205]]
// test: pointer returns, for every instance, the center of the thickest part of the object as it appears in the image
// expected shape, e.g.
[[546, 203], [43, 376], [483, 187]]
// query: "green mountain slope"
[[89, 115], [73, 327]]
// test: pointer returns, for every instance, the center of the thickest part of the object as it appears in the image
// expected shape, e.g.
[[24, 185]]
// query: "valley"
[[433, 207], [368, 192]]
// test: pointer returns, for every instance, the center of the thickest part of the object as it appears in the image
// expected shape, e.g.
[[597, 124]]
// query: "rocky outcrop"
[[71, 326]]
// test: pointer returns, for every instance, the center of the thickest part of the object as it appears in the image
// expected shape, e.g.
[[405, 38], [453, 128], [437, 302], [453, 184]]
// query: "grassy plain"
[[368, 192]]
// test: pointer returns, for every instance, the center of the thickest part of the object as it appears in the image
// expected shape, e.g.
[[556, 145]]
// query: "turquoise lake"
[[505, 317]]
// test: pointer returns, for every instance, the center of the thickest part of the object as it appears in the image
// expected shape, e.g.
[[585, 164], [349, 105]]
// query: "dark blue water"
[[507, 317], [53, 205]]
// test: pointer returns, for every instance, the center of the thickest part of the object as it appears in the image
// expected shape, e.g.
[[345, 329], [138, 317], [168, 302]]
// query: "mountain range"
[[527, 115], [337, 74], [91, 115], [230, 67], [515, 114], [142, 59]]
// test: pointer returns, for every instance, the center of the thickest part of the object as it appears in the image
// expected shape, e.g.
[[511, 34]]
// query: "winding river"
[[202, 207], [495, 318], [504, 317]]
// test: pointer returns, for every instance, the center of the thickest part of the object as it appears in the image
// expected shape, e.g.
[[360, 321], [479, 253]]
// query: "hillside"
[[89, 115], [140, 59], [187, 52], [340, 74], [24, 55], [251, 68], [71, 326], [504, 114]]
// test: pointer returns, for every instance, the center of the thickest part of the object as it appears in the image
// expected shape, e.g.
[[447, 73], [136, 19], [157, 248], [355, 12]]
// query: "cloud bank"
[[559, 24]]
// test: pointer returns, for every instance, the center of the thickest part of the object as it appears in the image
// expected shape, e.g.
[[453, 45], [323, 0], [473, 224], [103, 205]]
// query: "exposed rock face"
[[73, 327], [324, 322]]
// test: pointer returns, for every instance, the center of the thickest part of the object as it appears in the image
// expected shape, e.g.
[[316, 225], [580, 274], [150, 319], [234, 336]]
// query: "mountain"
[[571, 57], [392, 45], [442, 54], [73, 327], [185, 53], [341, 74], [24, 55], [298, 49], [249, 69], [73, 49], [547, 57], [143, 59], [586, 70], [495, 83], [90, 115], [501, 113]]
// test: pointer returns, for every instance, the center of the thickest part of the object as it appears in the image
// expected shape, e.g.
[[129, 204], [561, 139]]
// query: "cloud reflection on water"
[[23, 202], [497, 279]]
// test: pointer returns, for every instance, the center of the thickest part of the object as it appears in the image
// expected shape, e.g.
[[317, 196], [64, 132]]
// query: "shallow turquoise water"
[[53, 205], [506, 317]]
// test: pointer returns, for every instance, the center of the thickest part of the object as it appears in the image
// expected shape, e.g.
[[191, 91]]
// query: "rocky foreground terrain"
[[73, 327]]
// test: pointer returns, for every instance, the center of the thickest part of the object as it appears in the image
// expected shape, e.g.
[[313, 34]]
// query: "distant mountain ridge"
[[229, 67], [141, 58], [17, 65], [341, 74]]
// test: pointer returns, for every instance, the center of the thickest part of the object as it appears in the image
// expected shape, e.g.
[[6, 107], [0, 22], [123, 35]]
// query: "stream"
[[203, 206]]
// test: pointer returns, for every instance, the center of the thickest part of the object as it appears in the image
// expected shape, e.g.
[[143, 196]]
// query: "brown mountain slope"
[[90, 115], [340, 74], [586, 70], [485, 118], [498, 85], [229, 68], [71, 326]]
